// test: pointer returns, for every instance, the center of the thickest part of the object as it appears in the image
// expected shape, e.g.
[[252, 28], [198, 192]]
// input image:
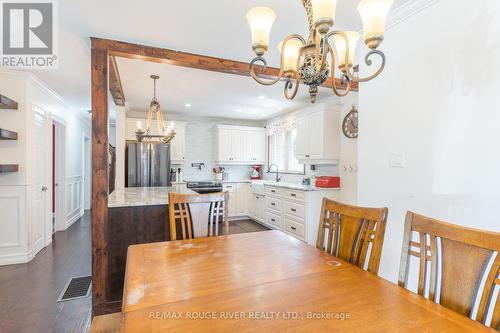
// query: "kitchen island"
[[136, 215]]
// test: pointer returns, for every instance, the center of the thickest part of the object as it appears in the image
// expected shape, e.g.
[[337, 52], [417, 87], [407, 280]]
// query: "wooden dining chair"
[[352, 233], [197, 215], [459, 259]]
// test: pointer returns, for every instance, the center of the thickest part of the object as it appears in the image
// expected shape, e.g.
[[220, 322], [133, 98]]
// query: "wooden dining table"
[[268, 282]]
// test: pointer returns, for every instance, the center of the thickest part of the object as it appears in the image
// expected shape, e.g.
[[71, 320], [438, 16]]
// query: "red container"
[[327, 181]]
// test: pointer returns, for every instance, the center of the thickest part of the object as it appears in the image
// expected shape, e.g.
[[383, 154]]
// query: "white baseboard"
[[238, 218], [15, 258], [73, 219]]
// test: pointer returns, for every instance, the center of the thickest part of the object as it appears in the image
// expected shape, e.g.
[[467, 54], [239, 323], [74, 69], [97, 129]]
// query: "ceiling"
[[215, 28], [209, 94]]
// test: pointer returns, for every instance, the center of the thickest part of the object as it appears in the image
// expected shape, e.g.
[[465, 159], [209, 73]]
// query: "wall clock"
[[350, 124]]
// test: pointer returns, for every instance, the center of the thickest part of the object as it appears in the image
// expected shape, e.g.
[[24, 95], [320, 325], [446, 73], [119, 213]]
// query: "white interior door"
[[41, 186]]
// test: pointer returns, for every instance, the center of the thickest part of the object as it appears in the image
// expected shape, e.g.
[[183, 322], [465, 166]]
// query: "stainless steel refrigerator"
[[148, 164]]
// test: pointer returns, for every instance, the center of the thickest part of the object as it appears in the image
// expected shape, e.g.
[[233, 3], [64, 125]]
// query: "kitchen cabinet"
[[232, 197], [244, 193], [240, 145], [295, 212], [258, 209], [239, 199], [177, 145], [318, 137]]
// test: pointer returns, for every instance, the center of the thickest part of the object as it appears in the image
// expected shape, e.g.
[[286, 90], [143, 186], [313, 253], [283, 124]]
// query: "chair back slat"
[[461, 257], [355, 234], [197, 215], [348, 237]]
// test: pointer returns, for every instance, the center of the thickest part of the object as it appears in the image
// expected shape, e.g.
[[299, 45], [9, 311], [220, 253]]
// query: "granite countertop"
[[144, 196], [299, 187], [292, 186]]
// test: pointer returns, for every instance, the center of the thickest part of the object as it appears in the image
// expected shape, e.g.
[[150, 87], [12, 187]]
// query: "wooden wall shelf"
[[7, 103], [7, 135], [4, 168]]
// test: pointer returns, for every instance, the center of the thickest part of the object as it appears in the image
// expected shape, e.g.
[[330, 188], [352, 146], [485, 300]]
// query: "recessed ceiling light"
[[188, 105], [262, 97], [280, 108]]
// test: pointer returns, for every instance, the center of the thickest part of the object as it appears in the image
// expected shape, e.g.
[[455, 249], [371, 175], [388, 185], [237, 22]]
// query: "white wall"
[[16, 189], [436, 105]]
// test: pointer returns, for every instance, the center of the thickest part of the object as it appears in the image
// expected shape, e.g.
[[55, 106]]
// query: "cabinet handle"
[[293, 228], [308, 155], [273, 220], [273, 191], [293, 194], [293, 209], [273, 204]]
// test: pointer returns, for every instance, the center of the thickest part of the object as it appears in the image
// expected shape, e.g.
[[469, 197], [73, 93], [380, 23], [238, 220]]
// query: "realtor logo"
[[28, 34]]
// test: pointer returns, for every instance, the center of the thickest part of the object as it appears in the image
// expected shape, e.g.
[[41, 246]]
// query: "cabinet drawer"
[[273, 203], [273, 219], [294, 195], [294, 209], [273, 191], [294, 228]]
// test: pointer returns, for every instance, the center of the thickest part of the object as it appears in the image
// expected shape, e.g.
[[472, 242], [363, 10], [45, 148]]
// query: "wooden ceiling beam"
[[115, 83], [189, 60]]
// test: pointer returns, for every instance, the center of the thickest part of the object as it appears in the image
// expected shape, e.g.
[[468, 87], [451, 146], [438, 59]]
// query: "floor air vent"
[[77, 287]]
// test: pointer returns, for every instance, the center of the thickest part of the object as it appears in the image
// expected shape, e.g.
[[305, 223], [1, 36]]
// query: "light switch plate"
[[396, 160]]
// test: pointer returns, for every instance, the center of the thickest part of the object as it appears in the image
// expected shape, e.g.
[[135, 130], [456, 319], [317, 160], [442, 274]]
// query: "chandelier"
[[306, 61], [164, 135]]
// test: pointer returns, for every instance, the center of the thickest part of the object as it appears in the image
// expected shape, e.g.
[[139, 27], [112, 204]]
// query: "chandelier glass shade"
[[306, 61], [164, 135]]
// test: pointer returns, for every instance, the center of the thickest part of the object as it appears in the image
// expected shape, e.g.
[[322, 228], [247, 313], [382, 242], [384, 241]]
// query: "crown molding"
[[407, 10]]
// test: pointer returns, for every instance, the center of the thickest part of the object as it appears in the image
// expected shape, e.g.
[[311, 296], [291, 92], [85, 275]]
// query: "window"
[[282, 147]]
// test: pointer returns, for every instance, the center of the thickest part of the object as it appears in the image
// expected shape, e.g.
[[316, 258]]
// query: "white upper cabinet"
[[318, 137], [240, 145], [177, 145]]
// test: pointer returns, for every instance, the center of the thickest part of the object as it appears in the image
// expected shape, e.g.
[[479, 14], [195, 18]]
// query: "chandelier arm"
[[262, 70], [369, 62], [334, 86], [289, 86], [264, 62]]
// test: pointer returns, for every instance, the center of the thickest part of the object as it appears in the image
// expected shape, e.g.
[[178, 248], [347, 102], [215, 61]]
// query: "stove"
[[203, 187]]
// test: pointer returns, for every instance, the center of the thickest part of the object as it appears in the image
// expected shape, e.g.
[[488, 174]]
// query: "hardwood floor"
[[28, 292], [243, 226]]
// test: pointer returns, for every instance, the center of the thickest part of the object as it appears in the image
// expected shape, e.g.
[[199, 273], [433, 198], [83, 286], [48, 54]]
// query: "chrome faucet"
[[278, 178]]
